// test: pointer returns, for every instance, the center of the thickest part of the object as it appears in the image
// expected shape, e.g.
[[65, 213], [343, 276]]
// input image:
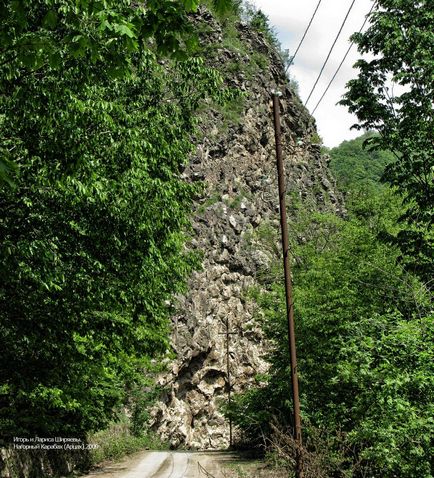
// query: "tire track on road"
[[168, 463], [184, 462]]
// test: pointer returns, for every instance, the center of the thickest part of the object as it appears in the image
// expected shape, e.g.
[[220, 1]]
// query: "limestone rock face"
[[238, 167]]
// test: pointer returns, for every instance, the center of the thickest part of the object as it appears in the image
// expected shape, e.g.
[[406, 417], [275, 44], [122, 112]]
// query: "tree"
[[394, 95], [92, 233], [53, 35]]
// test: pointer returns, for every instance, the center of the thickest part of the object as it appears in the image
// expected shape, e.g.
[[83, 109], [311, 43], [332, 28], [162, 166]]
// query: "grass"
[[236, 202], [117, 441], [246, 468], [210, 201]]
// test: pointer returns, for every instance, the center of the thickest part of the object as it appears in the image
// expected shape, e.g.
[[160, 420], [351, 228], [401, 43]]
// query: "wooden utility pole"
[[288, 285]]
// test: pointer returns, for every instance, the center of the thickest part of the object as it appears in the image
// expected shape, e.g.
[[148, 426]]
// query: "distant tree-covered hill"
[[354, 166]]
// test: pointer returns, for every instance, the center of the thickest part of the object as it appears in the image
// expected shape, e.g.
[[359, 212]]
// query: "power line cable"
[[330, 51], [303, 37], [343, 60]]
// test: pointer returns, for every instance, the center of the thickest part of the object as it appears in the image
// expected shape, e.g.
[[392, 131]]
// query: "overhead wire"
[[303, 37], [343, 60], [330, 51]]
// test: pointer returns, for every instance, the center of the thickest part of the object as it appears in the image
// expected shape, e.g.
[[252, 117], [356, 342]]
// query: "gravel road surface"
[[166, 464]]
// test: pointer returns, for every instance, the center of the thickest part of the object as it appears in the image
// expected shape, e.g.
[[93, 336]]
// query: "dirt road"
[[167, 464]]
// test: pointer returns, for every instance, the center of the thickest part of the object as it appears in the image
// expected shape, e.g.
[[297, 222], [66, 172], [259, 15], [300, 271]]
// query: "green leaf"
[[124, 29], [50, 20], [55, 59], [191, 5]]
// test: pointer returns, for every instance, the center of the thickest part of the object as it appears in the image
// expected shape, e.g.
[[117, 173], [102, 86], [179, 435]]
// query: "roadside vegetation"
[[118, 440], [365, 335]]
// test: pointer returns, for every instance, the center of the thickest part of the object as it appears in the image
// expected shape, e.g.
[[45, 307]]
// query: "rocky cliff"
[[237, 164]]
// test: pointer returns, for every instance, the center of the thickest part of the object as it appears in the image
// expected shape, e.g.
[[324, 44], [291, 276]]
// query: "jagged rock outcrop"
[[239, 170]]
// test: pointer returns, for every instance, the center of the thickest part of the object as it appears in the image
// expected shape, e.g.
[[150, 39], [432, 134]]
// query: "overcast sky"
[[290, 19]]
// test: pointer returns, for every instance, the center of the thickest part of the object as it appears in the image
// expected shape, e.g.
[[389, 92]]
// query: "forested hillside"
[[356, 166]]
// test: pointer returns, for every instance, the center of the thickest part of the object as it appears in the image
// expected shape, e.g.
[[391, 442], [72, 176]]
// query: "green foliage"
[[394, 95], [257, 19], [365, 347], [355, 166], [245, 12], [316, 139], [48, 36], [224, 10], [93, 231], [117, 441], [244, 60]]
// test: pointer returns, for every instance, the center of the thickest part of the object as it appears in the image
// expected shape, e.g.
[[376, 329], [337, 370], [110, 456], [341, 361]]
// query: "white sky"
[[290, 19]]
